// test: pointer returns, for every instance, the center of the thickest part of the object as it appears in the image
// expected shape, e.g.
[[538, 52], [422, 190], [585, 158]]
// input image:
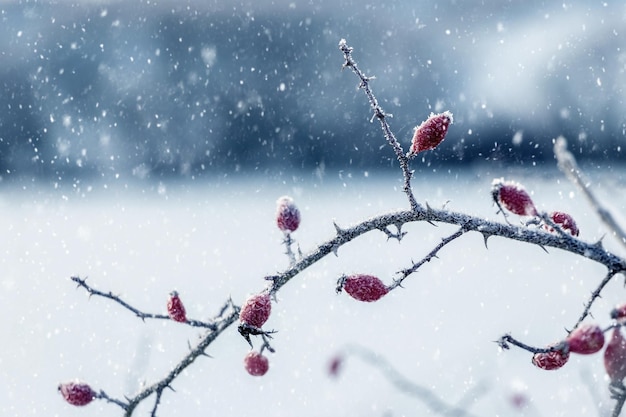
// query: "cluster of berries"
[[588, 339], [514, 198]]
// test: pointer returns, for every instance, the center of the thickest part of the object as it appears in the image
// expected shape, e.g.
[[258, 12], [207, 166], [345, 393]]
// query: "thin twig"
[[567, 164], [594, 296], [432, 254], [82, 282], [432, 401], [380, 114]]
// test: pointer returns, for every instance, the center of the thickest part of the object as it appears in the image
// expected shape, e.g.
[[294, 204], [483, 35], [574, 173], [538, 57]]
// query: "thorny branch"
[[418, 213], [382, 118]]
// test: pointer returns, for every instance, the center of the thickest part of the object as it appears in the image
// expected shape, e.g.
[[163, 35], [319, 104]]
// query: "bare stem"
[[594, 296], [567, 164], [380, 114], [432, 254]]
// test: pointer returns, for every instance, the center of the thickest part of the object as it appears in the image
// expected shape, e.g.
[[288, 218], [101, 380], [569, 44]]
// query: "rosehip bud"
[[256, 364], [586, 339], [256, 310], [565, 221], [513, 197], [363, 287], [615, 356], [77, 393], [550, 360], [175, 308], [287, 214], [430, 133], [618, 312]]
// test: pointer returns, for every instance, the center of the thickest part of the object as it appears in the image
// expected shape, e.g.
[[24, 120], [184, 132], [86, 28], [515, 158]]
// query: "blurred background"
[[159, 89]]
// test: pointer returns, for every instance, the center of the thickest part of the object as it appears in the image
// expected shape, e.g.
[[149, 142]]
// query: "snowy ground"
[[212, 241]]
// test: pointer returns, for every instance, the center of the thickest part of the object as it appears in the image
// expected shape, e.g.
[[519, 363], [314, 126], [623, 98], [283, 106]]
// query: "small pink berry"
[[550, 360], [256, 310], [77, 393], [430, 133], [615, 356], [256, 364], [619, 312], [175, 308], [565, 221], [287, 214], [513, 197], [586, 339], [334, 366], [363, 287]]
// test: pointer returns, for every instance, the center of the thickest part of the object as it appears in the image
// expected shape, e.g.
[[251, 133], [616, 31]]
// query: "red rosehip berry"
[[77, 393], [618, 312], [565, 221], [175, 308], [586, 339], [550, 360], [363, 287], [287, 214], [513, 197], [615, 356], [430, 133], [256, 364], [256, 310]]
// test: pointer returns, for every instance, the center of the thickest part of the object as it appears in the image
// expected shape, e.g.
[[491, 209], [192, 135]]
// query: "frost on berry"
[[430, 133], [550, 360], [256, 364], [363, 287], [615, 356], [77, 393], [512, 197], [586, 339], [287, 214], [565, 221], [175, 308], [256, 310]]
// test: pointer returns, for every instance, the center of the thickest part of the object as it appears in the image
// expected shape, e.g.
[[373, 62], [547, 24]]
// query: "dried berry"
[[619, 312], [565, 221], [77, 393], [256, 364], [586, 339], [615, 356], [550, 360], [256, 310], [430, 133], [287, 214], [363, 287], [175, 308], [513, 197]]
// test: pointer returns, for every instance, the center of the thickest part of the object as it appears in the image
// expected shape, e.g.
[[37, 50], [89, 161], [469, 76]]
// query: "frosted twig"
[[504, 341], [92, 291], [594, 296], [432, 254], [380, 114], [432, 401], [288, 241], [567, 164]]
